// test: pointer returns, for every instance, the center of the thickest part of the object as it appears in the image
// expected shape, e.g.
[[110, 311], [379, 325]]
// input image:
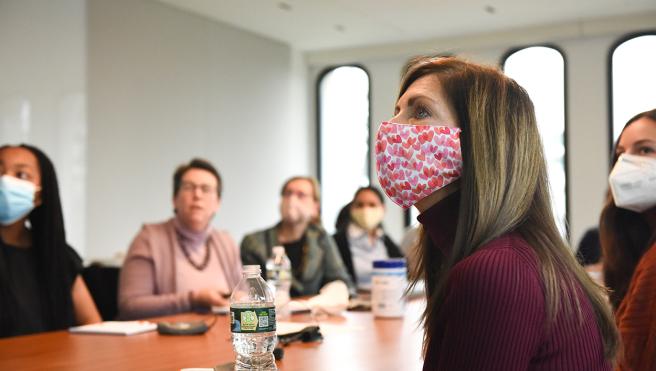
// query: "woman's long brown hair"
[[624, 235], [503, 188]]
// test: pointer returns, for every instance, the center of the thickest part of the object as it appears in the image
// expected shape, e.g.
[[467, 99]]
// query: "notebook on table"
[[115, 328]]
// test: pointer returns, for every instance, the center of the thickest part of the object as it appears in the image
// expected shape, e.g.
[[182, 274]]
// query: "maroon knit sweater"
[[493, 316]]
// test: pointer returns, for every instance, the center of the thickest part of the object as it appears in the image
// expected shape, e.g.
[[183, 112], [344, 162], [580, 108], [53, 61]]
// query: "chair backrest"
[[102, 282]]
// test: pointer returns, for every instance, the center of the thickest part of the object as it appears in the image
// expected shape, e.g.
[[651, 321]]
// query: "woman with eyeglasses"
[[312, 252], [183, 264]]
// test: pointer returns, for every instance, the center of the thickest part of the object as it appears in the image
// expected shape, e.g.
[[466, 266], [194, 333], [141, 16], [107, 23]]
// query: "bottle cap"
[[252, 269], [389, 263]]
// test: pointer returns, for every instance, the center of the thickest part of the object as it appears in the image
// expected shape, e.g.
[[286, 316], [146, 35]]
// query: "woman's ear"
[[38, 200]]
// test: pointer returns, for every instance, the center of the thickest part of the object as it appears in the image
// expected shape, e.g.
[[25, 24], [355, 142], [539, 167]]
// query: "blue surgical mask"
[[16, 199]]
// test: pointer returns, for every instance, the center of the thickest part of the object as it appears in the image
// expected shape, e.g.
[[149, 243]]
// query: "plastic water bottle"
[[279, 276], [253, 322]]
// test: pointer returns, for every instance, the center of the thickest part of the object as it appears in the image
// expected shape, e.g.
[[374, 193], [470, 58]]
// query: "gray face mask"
[[293, 210], [633, 182]]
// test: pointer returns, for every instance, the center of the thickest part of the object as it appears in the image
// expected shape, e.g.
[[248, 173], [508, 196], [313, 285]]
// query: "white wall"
[[120, 92], [43, 93], [586, 46], [165, 86], [588, 129]]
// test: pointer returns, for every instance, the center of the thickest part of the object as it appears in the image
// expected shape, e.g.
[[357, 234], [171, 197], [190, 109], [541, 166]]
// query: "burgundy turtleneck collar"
[[440, 221], [189, 238]]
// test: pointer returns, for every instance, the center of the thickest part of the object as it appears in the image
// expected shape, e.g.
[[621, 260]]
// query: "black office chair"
[[102, 282]]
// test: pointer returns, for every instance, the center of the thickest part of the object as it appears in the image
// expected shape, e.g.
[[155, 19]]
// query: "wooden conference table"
[[354, 341]]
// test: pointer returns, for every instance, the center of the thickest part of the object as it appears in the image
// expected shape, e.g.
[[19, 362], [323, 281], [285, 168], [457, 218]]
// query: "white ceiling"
[[311, 25]]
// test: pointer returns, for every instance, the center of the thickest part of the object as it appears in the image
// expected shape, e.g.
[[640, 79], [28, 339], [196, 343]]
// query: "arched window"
[[343, 137], [541, 71], [632, 80]]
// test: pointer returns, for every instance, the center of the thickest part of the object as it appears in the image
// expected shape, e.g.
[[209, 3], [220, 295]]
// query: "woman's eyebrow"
[[643, 141], [21, 166], [413, 99]]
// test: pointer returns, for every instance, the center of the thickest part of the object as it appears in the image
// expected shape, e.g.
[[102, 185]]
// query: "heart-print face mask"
[[413, 161]]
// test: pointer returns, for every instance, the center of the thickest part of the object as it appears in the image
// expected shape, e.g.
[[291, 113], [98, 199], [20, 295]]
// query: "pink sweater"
[[148, 279]]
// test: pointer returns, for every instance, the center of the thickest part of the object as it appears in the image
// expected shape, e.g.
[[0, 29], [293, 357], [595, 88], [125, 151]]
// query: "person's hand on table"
[[209, 298]]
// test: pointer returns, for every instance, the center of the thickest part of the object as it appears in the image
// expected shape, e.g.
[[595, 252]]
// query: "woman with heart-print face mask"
[[503, 290], [627, 235], [312, 252]]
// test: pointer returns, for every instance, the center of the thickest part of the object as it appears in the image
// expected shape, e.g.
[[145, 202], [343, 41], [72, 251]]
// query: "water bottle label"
[[252, 320]]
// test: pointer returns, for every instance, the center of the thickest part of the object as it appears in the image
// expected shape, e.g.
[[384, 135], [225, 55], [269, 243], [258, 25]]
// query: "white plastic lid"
[[252, 269]]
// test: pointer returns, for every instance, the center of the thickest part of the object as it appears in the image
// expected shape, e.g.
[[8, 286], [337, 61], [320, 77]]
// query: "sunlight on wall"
[[541, 71], [633, 79], [344, 138]]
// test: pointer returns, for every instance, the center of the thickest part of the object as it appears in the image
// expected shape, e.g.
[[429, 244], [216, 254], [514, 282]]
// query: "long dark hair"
[[503, 188], [373, 189], [49, 243], [624, 235]]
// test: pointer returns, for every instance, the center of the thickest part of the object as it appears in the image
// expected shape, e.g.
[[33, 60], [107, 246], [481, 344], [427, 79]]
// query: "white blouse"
[[364, 253]]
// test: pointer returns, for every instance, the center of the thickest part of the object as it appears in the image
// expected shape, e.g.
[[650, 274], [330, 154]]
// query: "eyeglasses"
[[191, 188]]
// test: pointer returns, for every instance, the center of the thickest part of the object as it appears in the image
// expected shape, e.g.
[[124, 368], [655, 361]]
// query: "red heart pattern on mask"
[[413, 161]]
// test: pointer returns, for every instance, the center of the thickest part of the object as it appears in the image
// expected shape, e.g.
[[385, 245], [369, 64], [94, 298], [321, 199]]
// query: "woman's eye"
[[23, 175], [421, 113], [645, 150]]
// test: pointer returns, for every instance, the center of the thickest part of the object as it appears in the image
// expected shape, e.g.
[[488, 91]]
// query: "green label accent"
[[252, 320]]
